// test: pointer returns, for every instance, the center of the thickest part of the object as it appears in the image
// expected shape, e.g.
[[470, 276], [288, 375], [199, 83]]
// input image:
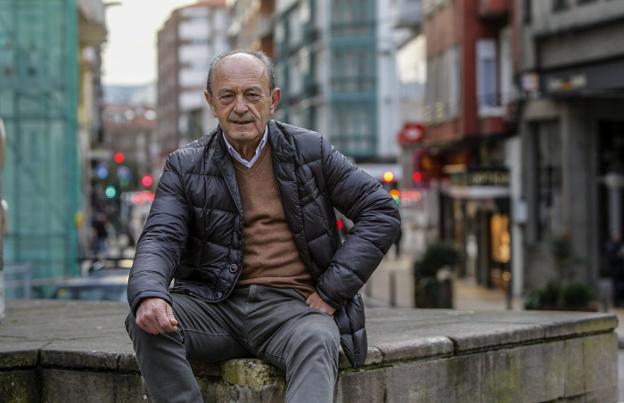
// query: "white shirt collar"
[[232, 151]]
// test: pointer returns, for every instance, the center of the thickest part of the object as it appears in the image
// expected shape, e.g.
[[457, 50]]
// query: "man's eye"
[[253, 96], [226, 98]]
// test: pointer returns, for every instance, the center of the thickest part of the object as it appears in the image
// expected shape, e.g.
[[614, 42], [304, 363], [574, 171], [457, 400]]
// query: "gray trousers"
[[274, 324]]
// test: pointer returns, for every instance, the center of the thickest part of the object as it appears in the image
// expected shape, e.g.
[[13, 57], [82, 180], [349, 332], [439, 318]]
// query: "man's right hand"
[[155, 316]]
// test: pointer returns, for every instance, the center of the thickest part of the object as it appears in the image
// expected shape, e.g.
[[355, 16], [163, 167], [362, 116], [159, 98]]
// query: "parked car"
[[108, 288]]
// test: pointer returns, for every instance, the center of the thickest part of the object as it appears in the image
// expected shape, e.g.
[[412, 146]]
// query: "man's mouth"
[[241, 122]]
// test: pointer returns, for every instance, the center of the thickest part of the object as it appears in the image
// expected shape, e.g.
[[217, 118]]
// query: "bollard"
[[393, 289]]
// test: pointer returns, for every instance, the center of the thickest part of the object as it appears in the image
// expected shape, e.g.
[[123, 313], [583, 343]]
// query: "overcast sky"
[[129, 56]]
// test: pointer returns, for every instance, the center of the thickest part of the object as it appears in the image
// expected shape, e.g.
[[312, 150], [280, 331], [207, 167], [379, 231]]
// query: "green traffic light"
[[110, 192]]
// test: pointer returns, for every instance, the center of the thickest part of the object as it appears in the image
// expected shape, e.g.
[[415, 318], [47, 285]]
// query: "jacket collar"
[[281, 146]]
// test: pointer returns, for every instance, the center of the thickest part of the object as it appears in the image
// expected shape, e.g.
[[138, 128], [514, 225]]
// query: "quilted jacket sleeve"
[[162, 241], [376, 217]]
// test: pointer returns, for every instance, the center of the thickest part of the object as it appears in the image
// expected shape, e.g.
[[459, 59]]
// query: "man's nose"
[[240, 105]]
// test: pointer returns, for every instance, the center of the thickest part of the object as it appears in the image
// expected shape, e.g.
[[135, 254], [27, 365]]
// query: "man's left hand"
[[316, 302]]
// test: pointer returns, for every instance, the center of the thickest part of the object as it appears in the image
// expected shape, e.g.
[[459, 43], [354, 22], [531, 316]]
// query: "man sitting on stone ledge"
[[243, 222]]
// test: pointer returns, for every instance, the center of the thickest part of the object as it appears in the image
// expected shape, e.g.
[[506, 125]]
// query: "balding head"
[[241, 55]]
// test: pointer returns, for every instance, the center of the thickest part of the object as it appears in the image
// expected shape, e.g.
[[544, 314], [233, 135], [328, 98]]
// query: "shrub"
[[576, 295], [437, 256]]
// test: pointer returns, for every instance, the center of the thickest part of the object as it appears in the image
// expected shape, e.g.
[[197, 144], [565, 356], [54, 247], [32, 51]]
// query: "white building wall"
[[206, 34], [388, 111], [411, 71]]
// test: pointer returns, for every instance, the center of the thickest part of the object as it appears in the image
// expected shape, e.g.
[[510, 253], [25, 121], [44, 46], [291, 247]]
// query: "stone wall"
[[78, 352]]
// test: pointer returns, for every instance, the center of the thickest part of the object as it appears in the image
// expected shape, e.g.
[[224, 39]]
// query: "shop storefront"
[[475, 215]]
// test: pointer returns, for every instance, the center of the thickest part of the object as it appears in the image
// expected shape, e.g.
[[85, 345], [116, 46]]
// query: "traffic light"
[[388, 180], [119, 157], [417, 177], [147, 181], [388, 177], [110, 192], [124, 175], [396, 195], [101, 171]]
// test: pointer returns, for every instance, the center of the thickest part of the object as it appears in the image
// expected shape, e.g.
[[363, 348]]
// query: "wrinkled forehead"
[[241, 68]]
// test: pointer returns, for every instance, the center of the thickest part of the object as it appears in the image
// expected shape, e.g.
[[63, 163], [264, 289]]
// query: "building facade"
[[336, 64], [187, 42], [463, 160], [571, 131], [251, 25]]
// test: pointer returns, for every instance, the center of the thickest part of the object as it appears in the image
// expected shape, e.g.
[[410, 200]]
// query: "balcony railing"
[[494, 104], [494, 8]]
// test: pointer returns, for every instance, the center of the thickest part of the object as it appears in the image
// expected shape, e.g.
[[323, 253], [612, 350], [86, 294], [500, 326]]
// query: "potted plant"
[[565, 294], [433, 286]]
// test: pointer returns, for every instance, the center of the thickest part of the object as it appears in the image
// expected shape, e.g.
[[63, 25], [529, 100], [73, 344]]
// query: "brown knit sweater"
[[270, 255]]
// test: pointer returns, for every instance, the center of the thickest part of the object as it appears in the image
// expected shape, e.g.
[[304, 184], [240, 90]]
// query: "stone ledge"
[[414, 354]]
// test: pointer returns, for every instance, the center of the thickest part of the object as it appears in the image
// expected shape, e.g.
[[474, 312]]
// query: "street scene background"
[[496, 126]]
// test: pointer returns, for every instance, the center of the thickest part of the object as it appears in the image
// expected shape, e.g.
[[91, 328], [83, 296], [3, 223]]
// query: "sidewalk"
[[468, 295]]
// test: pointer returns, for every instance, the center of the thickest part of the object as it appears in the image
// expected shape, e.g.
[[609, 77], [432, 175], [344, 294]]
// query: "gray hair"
[[268, 65]]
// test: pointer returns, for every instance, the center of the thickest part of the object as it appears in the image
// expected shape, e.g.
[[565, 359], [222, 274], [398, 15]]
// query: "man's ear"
[[210, 101], [276, 95]]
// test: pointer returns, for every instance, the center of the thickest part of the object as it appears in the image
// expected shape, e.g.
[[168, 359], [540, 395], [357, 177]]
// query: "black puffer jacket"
[[194, 230]]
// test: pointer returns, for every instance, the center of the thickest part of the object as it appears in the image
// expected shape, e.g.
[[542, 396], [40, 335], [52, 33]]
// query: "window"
[[443, 86], [352, 70], [487, 75], [560, 5], [351, 17], [527, 10], [548, 180]]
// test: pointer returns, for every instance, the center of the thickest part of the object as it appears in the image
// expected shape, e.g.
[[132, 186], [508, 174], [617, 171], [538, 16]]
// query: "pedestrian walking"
[[615, 265]]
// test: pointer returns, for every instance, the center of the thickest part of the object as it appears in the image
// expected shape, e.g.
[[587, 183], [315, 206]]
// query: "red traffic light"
[[417, 177], [119, 158], [147, 181]]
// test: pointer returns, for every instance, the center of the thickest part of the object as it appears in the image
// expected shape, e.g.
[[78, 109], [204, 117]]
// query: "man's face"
[[241, 99]]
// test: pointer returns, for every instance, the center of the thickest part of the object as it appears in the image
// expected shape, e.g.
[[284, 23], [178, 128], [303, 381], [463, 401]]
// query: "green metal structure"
[[352, 42], [38, 102], [353, 83]]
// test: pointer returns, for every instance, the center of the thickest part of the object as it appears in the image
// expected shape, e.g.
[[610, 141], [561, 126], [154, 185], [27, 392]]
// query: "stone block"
[[127, 362], [455, 379], [586, 323], [208, 386], [129, 388], [373, 357], [250, 380], [416, 348], [573, 356], [71, 386], [607, 395], [252, 373], [226, 393], [53, 357], [361, 386], [600, 361], [68, 386], [19, 357], [534, 373], [17, 386]]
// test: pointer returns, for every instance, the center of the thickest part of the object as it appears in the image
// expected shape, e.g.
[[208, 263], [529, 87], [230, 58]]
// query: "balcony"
[[493, 9], [407, 14]]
